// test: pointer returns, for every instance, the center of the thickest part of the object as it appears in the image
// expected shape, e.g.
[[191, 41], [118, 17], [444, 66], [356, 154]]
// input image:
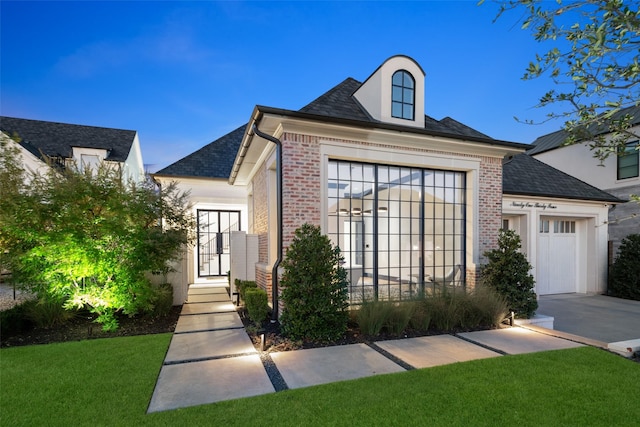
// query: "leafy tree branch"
[[594, 62]]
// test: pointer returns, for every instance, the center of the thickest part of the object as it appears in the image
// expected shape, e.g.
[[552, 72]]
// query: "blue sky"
[[185, 73]]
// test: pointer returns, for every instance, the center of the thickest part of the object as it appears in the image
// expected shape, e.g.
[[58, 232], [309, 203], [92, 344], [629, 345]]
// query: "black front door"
[[214, 234]]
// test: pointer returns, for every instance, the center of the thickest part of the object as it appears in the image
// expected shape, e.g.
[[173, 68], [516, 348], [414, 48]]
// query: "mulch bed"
[[275, 341], [83, 327]]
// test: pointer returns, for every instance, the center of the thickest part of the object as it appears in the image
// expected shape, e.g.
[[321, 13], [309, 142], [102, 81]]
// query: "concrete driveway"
[[598, 317]]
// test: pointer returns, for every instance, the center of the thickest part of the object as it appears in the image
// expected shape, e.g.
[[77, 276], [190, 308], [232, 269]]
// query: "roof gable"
[[556, 139], [214, 160], [339, 103], [58, 139], [525, 175]]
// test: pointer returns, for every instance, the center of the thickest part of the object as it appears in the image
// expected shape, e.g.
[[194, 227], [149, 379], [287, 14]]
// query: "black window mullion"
[[376, 216]]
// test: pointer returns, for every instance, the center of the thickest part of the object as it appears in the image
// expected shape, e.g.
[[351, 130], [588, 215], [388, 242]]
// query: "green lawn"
[[110, 381]]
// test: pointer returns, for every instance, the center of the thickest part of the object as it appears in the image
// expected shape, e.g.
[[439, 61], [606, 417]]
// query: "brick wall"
[[301, 183], [490, 204], [302, 188], [260, 212]]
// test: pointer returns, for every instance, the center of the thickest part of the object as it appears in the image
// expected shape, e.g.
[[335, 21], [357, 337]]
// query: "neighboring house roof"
[[214, 160], [340, 103], [527, 176], [556, 139], [57, 139]]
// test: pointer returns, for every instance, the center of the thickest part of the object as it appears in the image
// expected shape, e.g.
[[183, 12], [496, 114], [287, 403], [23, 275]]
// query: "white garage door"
[[557, 257]]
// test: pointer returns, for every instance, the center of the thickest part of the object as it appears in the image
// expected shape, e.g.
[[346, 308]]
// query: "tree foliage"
[[508, 272], [624, 281], [314, 287], [86, 237], [594, 61]]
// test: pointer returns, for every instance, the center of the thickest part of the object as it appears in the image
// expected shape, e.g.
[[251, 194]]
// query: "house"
[[411, 201], [617, 175], [86, 146], [219, 209]]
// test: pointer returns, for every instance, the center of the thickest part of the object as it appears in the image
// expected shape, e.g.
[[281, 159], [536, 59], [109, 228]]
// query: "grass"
[[109, 382]]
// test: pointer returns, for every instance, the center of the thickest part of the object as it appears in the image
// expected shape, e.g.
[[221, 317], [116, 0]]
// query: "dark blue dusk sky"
[[185, 73]]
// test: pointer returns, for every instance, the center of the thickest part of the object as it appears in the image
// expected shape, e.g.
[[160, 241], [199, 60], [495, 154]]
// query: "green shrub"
[[15, 320], [508, 273], [421, 319], [161, 299], [400, 316], [257, 305], [446, 310], [243, 285], [47, 312], [624, 281], [372, 316], [90, 236], [491, 307], [314, 287]]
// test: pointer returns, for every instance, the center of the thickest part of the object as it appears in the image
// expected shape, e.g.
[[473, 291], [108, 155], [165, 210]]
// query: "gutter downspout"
[[274, 270]]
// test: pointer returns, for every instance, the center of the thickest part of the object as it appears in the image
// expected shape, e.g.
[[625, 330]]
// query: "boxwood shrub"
[[624, 281], [314, 288]]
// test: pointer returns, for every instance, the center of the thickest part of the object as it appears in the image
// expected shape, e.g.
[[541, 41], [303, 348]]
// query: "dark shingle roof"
[[557, 139], [525, 175], [214, 160], [461, 129], [56, 139], [340, 103]]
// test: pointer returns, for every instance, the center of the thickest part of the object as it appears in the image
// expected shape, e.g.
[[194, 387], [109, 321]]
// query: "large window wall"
[[401, 229]]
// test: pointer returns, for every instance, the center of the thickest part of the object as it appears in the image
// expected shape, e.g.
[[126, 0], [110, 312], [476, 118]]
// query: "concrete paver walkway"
[[211, 358], [304, 368], [425, 352]]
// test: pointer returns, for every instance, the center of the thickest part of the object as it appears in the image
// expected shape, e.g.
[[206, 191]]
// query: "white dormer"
[[89, 157], [394, 93]]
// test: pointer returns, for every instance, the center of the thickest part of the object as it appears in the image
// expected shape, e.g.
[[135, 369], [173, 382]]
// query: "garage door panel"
[[557, 258]]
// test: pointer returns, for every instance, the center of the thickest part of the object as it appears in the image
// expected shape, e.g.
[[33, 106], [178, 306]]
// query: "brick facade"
[[260, 212], [301, 182], [301, 171], [490, 201]]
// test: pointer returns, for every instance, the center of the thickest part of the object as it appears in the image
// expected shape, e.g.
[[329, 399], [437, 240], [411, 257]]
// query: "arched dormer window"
[[402, 95]]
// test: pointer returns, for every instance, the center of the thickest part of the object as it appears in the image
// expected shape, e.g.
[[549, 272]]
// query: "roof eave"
[[389, 126], [612, 199]]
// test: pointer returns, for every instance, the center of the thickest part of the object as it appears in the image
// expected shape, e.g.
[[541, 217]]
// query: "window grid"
[[544, 226], [564, 227], [411, 231], [402, 95], [628, 161]]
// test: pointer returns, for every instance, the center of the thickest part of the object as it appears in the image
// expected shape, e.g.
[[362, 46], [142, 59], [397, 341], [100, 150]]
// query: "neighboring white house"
[[617, 175], [30, 163], [219, 210], [86, 146]]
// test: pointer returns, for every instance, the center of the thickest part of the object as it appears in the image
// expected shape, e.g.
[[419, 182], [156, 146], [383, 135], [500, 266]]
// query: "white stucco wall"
[[577, 160], [375, 92], [210, 194], [30, 163], [525, 212], [133, 165]]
